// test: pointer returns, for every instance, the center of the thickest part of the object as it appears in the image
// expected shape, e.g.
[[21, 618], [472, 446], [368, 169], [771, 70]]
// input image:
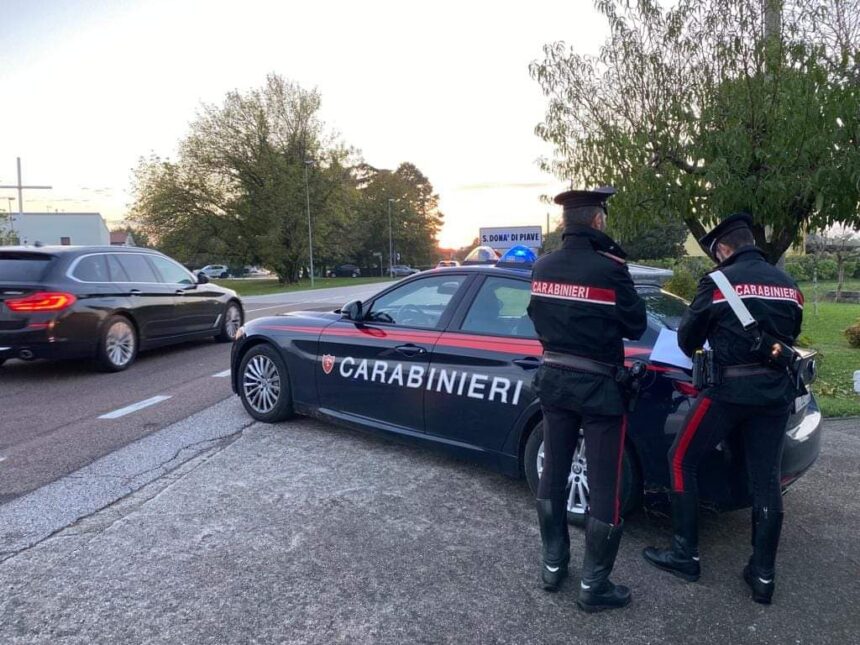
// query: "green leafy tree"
[[665, 240], [693, 112]]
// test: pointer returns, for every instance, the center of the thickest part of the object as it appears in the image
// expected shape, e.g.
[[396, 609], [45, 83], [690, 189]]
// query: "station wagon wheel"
[[117, 344], [230, 323], [264, 385], [578, 490]]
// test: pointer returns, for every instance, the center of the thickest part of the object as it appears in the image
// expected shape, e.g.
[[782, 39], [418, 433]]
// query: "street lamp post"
[[390, 241], [309, 162]]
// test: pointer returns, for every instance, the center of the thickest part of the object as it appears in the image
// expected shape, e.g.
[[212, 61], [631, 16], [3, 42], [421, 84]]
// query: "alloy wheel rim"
[[233, 320], [261, 384], [577, 480], [119, 343]]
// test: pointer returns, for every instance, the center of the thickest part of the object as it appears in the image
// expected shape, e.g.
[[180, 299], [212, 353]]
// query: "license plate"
[[801, 402]]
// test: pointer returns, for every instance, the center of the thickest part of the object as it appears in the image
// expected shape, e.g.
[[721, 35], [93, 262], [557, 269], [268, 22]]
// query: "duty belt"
[[751, 369], [580, 364]]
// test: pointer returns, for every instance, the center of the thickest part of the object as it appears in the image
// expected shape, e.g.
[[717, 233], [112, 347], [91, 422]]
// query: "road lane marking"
[[134, 407], [223, 374], [283, 304]]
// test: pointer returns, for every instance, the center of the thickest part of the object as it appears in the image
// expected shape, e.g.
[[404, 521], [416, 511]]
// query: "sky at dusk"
[[89, 87]]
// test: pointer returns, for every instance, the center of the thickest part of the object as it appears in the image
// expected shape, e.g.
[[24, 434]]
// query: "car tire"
[[577, 513], [224, 275], [230, 322], [118, 344], [354, 274], [264, 385]]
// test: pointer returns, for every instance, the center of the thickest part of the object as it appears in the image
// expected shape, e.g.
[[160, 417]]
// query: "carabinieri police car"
[[446, 358]]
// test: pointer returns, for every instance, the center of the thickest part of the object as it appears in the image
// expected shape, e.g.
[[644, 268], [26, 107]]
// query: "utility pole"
[[20, 186], [390, 241], [309, 162]]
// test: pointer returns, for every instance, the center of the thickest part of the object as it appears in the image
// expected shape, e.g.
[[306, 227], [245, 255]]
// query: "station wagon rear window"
[[23, 267]]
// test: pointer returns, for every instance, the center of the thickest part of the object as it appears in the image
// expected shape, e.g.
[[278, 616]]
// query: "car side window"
[[137, 268], [92, 268], [499, 309], [171, 272], [117, 273], [419, 303]]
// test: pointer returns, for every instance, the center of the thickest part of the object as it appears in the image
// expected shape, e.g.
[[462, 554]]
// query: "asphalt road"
[[304, 532], [50, 423]]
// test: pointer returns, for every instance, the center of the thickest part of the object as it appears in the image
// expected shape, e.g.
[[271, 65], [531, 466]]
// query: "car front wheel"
[[577, 482], [230, 323], [117, 345], [264, 385]]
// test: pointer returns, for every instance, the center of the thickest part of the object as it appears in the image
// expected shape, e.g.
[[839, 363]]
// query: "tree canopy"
[[249, 170], [695, 112]]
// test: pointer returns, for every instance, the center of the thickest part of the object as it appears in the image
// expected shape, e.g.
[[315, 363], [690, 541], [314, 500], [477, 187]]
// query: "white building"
[[75, 229]]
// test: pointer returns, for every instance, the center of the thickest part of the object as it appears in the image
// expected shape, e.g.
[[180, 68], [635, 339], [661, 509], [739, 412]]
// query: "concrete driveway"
[[307, 533]]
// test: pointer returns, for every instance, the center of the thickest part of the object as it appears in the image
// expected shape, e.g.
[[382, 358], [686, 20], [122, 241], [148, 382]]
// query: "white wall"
[[82, 229]]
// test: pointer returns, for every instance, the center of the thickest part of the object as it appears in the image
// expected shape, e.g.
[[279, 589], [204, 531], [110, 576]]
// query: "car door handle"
[[180, 292], [528, 363], [410, 350], [135, 292]]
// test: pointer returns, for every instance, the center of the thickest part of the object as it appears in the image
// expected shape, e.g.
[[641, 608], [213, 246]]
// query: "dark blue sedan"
[[447, 357]]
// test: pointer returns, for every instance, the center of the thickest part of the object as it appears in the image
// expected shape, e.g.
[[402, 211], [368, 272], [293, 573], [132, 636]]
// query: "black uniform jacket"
[[583, 303], [776, 303]]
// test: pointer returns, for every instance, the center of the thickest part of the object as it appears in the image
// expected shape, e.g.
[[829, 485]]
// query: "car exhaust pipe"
[[26, 355]]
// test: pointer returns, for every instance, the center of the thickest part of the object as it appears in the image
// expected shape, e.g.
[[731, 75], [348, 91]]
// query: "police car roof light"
[[518, 256]]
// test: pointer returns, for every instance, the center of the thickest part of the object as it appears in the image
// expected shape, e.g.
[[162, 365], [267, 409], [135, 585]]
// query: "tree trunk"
[[840, 275]]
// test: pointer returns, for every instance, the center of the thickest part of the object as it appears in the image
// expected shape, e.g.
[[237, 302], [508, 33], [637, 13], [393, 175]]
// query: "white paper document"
[[666, 350]]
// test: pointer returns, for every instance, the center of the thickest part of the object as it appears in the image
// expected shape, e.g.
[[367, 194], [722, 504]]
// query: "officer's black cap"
[[578, 198], [733, 222]]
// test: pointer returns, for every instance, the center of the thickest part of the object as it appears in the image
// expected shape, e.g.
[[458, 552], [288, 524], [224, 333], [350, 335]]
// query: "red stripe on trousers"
[[618, 471], [686, 437]]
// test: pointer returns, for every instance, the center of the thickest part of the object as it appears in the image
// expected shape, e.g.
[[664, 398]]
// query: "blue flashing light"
[[521, 256]]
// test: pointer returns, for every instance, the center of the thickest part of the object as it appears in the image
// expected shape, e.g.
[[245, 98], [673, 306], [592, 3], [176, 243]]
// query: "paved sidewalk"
[[307, 533]]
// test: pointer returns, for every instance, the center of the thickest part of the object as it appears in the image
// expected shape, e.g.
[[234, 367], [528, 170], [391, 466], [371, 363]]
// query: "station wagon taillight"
[[42, 301]]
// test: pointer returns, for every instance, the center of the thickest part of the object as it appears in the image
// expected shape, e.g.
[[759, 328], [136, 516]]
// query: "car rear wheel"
[[224, 274], [117, 345], [264, 385], [578, 490], [230, 323]]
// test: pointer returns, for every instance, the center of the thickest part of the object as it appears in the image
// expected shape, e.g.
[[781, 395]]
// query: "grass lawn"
[[825, 287], [838, 361], [260, 287]]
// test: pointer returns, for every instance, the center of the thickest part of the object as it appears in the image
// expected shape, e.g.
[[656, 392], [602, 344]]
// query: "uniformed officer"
[[753, 398], [583, 303]]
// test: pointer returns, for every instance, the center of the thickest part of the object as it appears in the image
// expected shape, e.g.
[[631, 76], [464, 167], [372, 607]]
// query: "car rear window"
[[24, 267]]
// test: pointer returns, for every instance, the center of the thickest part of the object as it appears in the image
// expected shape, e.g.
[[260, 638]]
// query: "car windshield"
[[23, 267], [664, 309]]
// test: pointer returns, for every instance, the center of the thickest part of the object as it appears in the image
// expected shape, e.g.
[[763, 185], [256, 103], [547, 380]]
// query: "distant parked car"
[[215, 271], [105, 303], [255, 272], [447, 263], [347, 271], [402, 271]]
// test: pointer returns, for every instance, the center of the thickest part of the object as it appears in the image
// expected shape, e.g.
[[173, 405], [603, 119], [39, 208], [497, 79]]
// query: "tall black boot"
[[552, 517], [682, 557], [760, 572], [596, 591]]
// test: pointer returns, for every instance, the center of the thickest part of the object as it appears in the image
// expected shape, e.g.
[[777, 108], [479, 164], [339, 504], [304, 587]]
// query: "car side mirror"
[[202, 278], [352, 310]]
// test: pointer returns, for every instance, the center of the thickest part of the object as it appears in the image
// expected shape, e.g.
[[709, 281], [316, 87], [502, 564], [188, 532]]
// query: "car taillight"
[[42, 301], [685, 388]]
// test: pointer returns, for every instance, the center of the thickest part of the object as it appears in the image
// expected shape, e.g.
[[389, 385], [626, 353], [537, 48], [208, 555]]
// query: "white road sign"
[[507, 236]]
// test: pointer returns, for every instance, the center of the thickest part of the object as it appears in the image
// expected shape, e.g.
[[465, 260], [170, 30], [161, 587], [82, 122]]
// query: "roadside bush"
[[853, 334], [682, 284]]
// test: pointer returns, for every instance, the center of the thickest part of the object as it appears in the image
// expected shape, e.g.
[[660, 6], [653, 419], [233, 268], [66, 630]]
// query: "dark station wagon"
[[105, 303]]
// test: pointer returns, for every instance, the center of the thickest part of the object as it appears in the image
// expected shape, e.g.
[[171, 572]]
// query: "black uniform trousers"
[[604, 449], [708, 423]]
